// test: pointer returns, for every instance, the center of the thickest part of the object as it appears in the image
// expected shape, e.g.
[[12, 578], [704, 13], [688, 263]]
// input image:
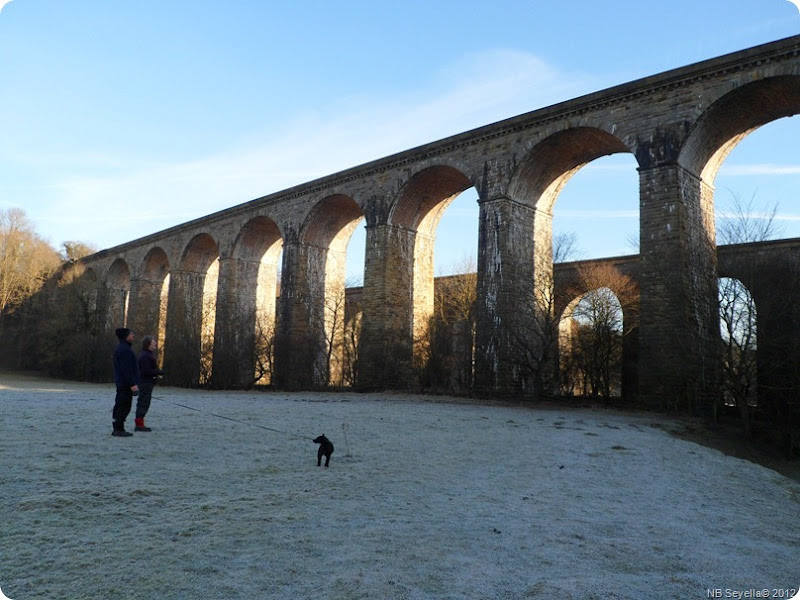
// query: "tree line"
[[48, 317]]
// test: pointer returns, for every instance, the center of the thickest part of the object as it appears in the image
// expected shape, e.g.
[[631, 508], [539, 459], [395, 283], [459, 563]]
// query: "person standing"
[[126, 378], [148, 374]]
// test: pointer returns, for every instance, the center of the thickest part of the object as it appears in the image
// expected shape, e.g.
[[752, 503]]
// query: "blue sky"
[[118, 119]]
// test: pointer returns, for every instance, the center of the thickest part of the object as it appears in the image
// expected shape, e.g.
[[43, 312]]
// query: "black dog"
[[325, 449]]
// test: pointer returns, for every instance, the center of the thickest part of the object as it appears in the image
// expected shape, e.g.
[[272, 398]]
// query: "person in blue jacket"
[[126, 378]]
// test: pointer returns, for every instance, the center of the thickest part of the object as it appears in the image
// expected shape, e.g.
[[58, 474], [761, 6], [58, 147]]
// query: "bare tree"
[[264, 351], [565, 247], [208, 320], [532, 331], [350, 346], [746, 222], [738, 328], [592, 356], [76, 324], [26, 260], [331, 334], [336, 338], [73, 250], [598, 319], [59, 329], [452, 329]]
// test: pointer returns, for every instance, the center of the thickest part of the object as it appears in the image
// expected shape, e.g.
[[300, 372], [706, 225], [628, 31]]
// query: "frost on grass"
[[425, 500]]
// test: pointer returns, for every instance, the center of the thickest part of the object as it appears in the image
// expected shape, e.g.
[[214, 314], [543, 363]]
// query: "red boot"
[[140, 425]]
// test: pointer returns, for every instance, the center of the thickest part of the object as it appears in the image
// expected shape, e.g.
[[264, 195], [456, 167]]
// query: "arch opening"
[[590, 345], [545, 172], [756, 187], [257, 251], [191, 314], [443, 338], [548, 167], [732, 118], [742, 143], [326, 235], [118, 285], [597, 328], [153, 297], [596, 214], [542, 178]]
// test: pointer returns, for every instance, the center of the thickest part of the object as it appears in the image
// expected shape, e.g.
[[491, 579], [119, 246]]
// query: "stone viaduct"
[[679, 125]]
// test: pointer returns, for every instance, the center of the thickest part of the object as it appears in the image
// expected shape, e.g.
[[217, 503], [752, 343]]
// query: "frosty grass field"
[[425, 498]]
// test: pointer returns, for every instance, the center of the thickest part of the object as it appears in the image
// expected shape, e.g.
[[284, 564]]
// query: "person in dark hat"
[[126, 378]]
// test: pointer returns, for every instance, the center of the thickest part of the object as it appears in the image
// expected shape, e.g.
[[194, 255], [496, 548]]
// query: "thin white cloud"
[[600, 166], [759, 170], [787, 217], [471, 213], [66, 161], [598, 214]]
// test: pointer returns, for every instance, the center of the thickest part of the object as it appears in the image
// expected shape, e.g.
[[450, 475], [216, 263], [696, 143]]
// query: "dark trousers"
[[122, 407], [143, 401]]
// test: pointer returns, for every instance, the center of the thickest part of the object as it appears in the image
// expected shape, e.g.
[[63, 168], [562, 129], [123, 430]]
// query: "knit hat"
[[122, 332]]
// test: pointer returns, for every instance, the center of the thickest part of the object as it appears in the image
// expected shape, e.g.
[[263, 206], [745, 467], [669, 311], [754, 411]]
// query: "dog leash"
[[265, 428]]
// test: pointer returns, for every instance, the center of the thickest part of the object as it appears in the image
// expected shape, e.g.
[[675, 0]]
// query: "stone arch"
[[85, 278], [684, 227], [593, 311], [725, 123], [258, 241], [191, 313], [246, 323], [419, 208], [199, 254], [152, 296], [324, 237], [119, 274], [426, 195], [566, 340], [545, 171], [86, 284], [732, 118], [118, 287], [331, 221], [155, 266], [549, 165], [516, 263]]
